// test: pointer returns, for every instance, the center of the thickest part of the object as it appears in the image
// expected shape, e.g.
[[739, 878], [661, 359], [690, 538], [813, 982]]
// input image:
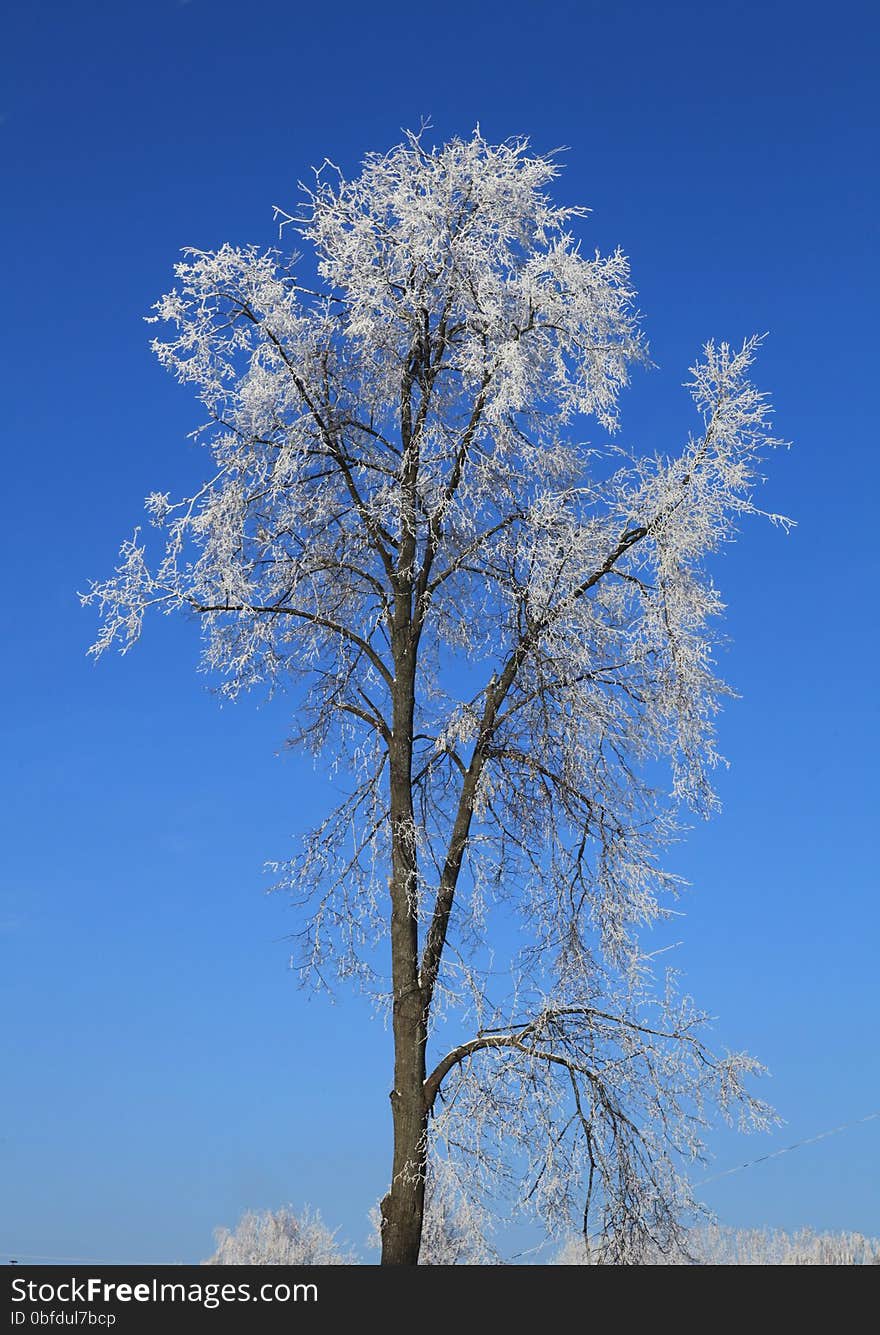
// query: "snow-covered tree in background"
[[497, 631], [278, 1237], [715, 1245]]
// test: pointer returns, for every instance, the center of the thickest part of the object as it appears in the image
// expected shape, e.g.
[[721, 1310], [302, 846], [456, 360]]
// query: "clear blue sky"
[[162, 1070]]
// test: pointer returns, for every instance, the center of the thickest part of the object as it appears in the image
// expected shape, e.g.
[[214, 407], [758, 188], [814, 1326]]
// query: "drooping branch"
[[516, 1037]]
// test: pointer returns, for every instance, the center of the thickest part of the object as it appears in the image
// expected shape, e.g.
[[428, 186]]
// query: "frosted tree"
[[499, 633], [715, 1245], [278, 1237]]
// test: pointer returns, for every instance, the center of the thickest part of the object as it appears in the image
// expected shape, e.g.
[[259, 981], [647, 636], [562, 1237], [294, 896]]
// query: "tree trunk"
[[403, 1207]]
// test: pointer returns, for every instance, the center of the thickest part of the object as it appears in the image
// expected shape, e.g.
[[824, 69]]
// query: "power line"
[[775, 1154]]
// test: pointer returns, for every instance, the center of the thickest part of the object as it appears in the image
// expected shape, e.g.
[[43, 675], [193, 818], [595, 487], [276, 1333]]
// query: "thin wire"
[[775, 1154]]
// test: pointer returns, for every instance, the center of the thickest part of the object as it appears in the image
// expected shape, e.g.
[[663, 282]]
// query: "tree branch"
[[280, 610]]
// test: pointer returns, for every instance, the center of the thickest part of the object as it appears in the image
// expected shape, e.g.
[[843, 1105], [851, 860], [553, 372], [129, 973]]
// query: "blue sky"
[[163, 1071]]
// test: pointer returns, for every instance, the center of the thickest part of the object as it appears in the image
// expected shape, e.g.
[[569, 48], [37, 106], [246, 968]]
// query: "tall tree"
[[500, 630]]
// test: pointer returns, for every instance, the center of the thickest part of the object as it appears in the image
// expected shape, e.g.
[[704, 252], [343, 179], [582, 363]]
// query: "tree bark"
[[403, 1207]]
